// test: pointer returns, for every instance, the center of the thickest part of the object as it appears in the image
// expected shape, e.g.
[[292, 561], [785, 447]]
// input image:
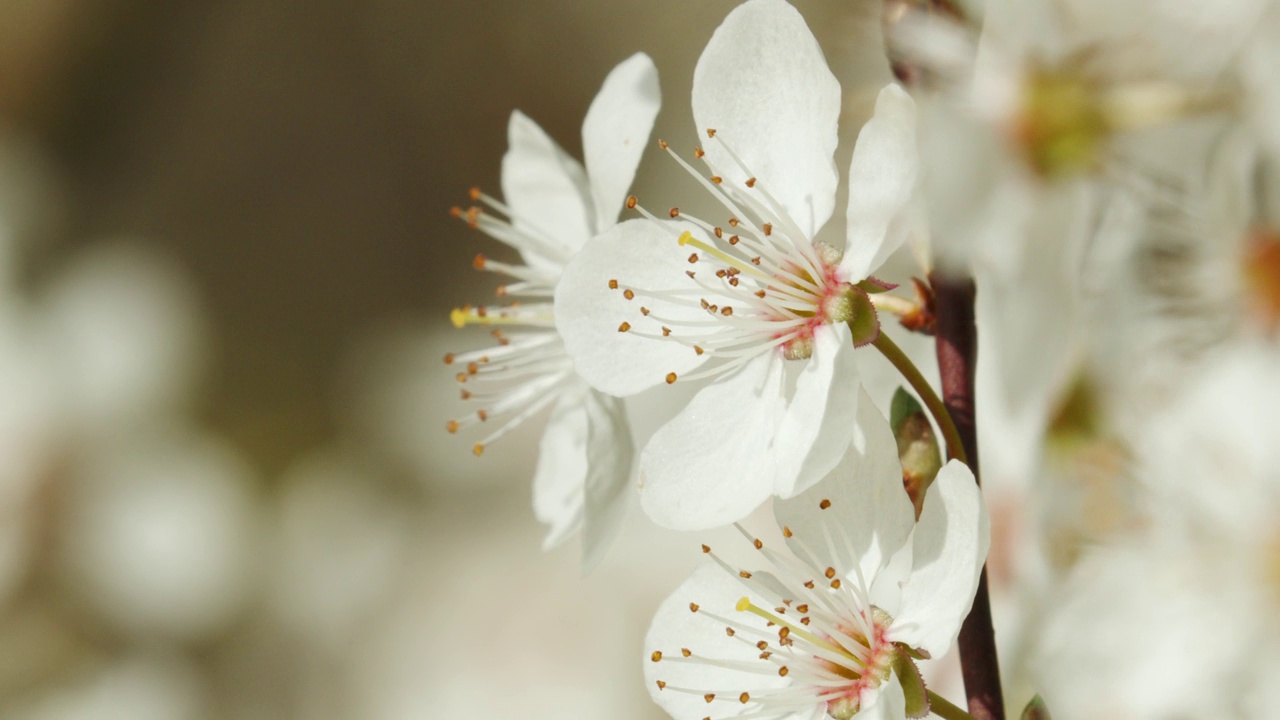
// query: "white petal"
[[815, 432], [764, 86], [950, 544], [885, 702], [639, 254], [561, 471], [546, 190], [714, 462], [675, 627], [869, 517], [609, 455], [882, 181], [616, 131]]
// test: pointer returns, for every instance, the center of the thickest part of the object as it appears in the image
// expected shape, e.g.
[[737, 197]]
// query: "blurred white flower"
[[756, 292], [127, 339], [832, 627], [160, 535], [1208, 547], [553, 207]]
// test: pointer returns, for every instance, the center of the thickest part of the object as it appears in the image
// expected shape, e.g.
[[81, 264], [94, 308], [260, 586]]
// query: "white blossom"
[[831, 626], [755, 302], [553, 206]]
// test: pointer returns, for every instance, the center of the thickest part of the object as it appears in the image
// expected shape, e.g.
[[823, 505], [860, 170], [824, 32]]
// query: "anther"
[[733, 222], [768, 229], [625, 326], [478, 450], [671, 377], [743, 698], [783, 671], [484, 416], [455, 212], [751, 182], [719, 232], [824, 504], [478, 262], [830, 573], [448, 358], [686, 652], [786, 531], [662, 144], [473, 368], [452, 427], [698, 153], [835, 584], [475, 194], [613, 284], [711, 132], [628, 294], [693, 607], [709, 697], [730, 631], [661, 685], [759, 545], [744, 574], [674, 212], [698, 349], [632, 201], [726, 311], [706, 548], [644, 311], [693, 258], [665, 331], [656, 656], [717, 179]]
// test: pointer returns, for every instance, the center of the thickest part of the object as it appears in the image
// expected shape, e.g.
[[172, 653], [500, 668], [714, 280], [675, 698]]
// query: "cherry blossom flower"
[[833, 626], [553, 205], [755, 303]]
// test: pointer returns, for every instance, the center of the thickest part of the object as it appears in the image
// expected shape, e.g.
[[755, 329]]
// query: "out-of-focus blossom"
[[653, 301], [1207, 547], [553, 206], [160, 535], [832, 627]]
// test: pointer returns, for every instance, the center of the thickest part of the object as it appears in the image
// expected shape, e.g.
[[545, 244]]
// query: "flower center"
[[799, 622], [762, 284]]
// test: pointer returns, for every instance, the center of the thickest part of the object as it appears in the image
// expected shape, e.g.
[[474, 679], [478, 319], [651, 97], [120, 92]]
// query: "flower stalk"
[[894, 354], [943, 708], [957, 348]]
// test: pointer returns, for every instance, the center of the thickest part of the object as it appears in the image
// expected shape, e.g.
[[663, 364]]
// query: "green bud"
[[917, 446], [1036, 710]]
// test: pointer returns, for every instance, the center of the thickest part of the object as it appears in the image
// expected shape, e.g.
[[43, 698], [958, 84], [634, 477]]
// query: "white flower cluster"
[[1103, 176]]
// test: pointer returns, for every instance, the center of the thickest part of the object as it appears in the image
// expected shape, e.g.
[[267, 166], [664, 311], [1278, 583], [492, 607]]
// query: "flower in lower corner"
[[553, 205], [831, 626], [754, 302]]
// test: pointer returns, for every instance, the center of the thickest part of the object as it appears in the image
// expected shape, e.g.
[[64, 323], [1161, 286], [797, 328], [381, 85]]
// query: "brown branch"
[[957, 344]]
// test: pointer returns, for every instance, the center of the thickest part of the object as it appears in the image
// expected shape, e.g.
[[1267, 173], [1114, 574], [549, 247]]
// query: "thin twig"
[[957, 344]]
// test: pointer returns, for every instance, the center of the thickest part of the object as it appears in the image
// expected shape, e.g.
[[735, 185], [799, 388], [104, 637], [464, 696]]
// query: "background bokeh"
[[226, 266]]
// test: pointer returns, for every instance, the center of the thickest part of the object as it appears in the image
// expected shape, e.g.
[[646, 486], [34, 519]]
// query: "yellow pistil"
[[745, 605], [687, 238], [461, 317]]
